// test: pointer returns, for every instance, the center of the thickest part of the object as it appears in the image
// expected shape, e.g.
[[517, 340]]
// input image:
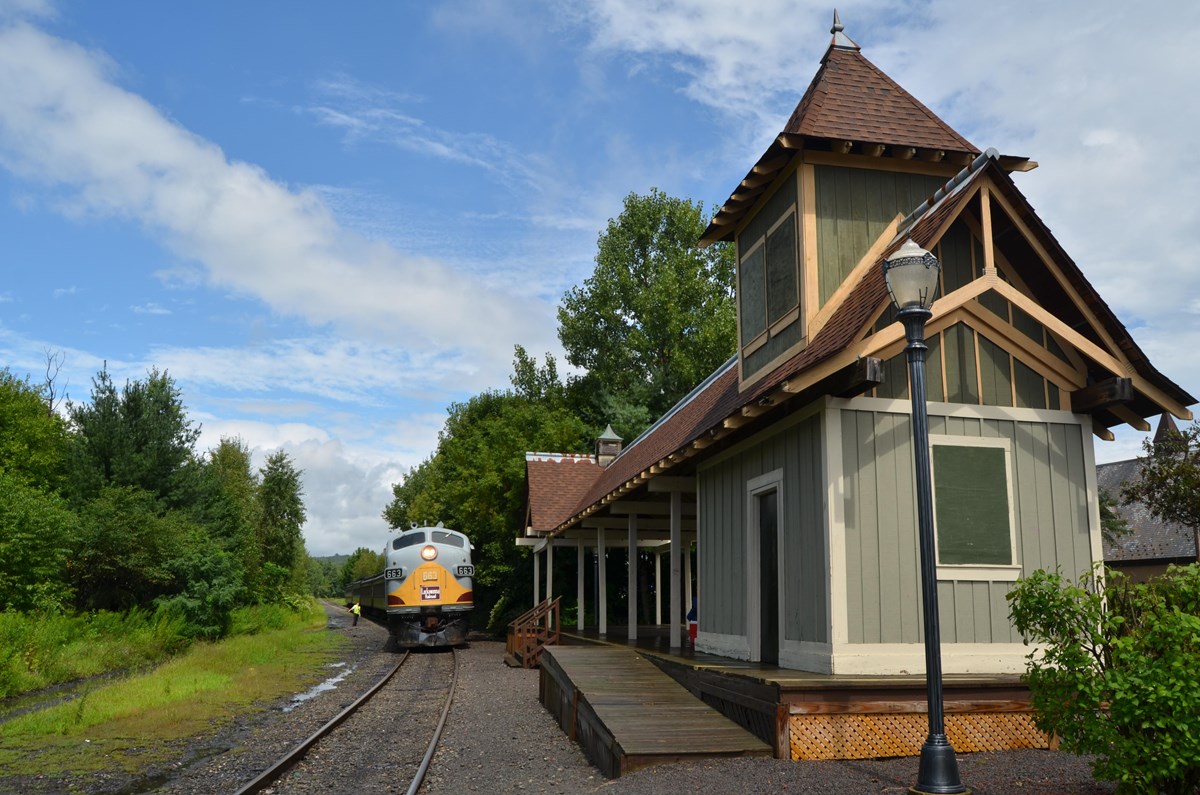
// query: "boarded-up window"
[[782, 296], [970, 495], [769, 274]]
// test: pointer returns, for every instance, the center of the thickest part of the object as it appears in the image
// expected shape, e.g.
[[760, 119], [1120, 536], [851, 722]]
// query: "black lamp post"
[[911, 274]]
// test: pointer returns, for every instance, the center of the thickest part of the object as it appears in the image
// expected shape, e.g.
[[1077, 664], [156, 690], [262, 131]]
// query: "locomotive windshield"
[[408, 539], [451, 539]]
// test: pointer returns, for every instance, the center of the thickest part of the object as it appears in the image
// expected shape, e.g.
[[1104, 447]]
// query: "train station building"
[[780, 491]]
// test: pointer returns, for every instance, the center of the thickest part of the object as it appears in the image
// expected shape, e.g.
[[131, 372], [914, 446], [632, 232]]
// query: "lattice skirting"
[[849, 736]]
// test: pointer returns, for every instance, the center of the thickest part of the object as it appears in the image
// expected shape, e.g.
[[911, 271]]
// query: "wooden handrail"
[[534, 629]]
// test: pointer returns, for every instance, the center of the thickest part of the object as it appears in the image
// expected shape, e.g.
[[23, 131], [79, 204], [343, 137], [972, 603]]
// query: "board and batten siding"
[[1051, 513], [795, 449], [854, 206]]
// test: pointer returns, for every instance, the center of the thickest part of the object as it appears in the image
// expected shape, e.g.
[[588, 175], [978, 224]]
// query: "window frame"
[[790, 213], [980, 572]]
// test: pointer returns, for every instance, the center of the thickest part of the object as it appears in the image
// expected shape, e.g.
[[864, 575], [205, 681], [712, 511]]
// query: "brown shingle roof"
[[556, 482], [851, 99]]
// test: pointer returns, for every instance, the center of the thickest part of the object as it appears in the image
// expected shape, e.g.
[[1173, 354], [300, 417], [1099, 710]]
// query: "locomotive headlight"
[[429, 552]]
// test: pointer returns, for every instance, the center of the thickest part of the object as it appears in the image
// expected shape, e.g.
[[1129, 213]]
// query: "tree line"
[[109, 506]]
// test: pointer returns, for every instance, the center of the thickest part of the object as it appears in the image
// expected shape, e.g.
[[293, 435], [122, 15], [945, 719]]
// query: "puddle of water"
[[318, 689]]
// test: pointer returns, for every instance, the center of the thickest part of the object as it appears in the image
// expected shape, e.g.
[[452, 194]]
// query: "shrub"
[[1116, 672]]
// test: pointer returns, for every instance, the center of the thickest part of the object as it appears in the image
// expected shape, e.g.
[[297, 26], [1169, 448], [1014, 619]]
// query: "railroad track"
[[413, 700]]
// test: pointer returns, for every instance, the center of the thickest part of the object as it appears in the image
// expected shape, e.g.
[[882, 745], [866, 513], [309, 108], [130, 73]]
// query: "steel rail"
[[419, 778], [284, 763]]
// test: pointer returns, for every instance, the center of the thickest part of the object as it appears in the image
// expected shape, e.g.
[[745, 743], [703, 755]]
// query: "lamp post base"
[[938, 770]]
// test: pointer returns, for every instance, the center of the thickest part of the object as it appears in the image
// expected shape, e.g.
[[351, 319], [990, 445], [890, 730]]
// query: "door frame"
[[755, 487]]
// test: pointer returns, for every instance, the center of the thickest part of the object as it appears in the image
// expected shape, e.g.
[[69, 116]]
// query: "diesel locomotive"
[[424, 592]]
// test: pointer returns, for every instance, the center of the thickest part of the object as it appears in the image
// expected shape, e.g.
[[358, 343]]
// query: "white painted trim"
[[1093, 495], [580, 568], [631, 583], [732, 646], [763, 484], [947, 573], [904, 406], [602, 588], [892, 659], [806, 656], [838, 611]]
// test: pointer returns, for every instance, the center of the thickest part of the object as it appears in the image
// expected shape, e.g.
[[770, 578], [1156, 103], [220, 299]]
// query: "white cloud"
[[347, 370], [150, 309], [64, 123]]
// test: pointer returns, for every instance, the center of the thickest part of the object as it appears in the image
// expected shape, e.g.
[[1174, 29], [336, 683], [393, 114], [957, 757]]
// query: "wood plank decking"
[[823, 716], [627, 714]]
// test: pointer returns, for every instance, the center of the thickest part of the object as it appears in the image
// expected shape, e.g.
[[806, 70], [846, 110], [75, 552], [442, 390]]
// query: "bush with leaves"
[[1115, 674]]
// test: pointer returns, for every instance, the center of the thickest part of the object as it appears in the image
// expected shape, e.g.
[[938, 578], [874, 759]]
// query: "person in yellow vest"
[[356, 610]]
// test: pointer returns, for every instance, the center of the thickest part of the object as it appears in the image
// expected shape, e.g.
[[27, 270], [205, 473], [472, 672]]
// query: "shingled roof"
[[850, 99], [1149, 539], [556, 482]]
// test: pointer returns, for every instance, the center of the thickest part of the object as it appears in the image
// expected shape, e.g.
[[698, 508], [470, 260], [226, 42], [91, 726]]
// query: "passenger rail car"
[[425, 593]]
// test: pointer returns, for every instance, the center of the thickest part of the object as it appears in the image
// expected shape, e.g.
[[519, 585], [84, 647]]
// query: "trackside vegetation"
[[1116, 673], [131, 722], [121, 543]]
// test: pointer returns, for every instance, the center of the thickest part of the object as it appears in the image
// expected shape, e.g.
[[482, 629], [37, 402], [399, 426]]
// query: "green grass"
[[138, 721]]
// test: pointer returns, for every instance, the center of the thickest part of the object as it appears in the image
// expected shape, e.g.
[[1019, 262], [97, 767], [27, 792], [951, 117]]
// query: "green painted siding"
[[882, 559], [954, 252], [854, 206], [959, 344], [723, 534], [995, 374]]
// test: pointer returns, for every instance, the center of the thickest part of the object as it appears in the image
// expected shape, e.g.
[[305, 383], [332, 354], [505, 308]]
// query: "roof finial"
[[840, 39]]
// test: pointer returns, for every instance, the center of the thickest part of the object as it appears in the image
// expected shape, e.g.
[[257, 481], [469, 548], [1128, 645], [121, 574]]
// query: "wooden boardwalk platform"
[[627, 714], [808, 715]]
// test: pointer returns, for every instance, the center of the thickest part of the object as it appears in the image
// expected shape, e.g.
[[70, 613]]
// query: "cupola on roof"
[[851, 107]]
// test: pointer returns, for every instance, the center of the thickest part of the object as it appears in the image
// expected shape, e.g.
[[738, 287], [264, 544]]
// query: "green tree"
[[1169, 481], [1114, 676], [656, 316], [1112, 526], [281, 511], [34, 442], [37, 533], [126, 544], [140, 437], [362, 563], [227, 505]]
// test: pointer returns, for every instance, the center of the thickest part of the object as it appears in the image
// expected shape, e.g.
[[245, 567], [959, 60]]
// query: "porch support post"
[[632, 575], [602, 569], [580, 557], [676, 607], [657, 587], [537, 578], [690, 593], [550, 576]]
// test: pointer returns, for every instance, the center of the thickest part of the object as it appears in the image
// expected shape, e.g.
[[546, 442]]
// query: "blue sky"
[[329, 221]]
